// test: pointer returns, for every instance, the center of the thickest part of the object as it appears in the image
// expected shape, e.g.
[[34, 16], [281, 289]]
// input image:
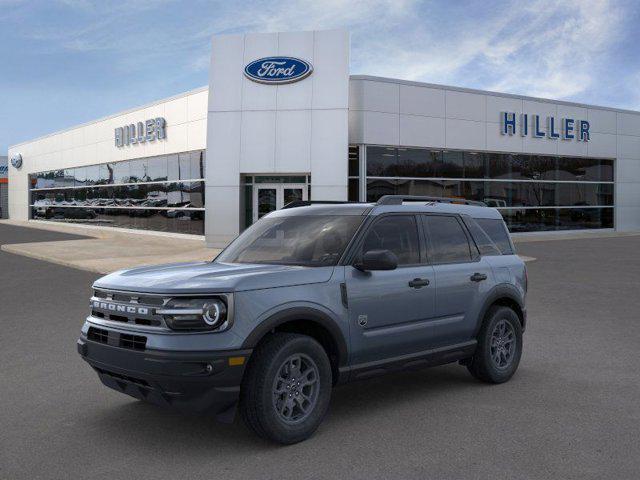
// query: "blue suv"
[[310, 296]]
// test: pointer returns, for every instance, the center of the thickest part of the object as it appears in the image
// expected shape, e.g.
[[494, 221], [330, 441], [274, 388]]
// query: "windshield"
[[305, 240]]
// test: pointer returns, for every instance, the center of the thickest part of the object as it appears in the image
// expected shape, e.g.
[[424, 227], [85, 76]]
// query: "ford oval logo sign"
[[16, 160], [278, 70]]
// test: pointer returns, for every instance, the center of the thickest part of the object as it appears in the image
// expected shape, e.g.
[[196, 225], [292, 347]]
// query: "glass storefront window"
[[533, 167], [105, 174], [452, 165], [382, 161], [92, 175], [157, 169], [121, 172], [571, 189], [585, 169], [499, 165], [130, 194], [138, 171], [173, 167], [549, 219], [417, 162], [475, 165]]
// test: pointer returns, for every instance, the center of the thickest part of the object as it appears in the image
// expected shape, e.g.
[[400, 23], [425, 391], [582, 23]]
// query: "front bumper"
[[200, 382]]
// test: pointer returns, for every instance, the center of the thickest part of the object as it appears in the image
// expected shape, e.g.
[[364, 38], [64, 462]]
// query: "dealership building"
[[4, 187], [282, 120]]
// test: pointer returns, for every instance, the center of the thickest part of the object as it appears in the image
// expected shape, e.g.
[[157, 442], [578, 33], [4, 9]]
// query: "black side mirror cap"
[[377, 260]]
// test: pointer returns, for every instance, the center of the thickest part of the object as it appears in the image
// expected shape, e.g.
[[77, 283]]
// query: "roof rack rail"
[[306, 203], [399, 199]]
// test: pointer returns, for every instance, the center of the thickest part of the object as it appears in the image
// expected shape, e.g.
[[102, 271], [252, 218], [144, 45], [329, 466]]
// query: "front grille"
[[135, 342], [128, 308], [131, 298], [123, 340], [98, 335], [149, 322]]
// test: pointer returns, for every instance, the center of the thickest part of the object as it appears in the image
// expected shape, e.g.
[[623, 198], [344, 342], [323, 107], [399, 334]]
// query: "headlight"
[[196, 314], [214, 313]]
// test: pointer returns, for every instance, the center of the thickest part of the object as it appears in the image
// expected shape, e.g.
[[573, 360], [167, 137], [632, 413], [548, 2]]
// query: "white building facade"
[[282, 120]]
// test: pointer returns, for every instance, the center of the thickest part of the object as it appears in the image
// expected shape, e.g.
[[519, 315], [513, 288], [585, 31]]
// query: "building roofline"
[[488, 92], [351, 77], [113, 115]]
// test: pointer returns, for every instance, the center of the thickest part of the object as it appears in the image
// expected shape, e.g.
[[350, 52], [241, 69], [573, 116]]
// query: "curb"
[[15, 250]]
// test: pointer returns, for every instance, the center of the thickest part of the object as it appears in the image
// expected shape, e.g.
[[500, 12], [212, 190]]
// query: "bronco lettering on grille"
[[114, 307]]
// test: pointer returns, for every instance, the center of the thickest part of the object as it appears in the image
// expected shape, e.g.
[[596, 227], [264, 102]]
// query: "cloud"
[[539, 48], [562, 43], [116, 54]]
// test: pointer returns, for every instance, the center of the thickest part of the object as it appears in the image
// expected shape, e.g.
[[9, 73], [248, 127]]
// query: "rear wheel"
[[499, 346], [286, 391]]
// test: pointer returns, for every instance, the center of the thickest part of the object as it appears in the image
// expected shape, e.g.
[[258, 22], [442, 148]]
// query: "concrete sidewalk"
[[108, 250]]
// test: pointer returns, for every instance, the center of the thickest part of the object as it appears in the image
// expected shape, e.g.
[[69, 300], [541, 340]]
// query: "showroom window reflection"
[[163, 193], [533, 192]]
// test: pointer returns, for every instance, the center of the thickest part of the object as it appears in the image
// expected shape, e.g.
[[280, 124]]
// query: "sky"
[[66, 62]]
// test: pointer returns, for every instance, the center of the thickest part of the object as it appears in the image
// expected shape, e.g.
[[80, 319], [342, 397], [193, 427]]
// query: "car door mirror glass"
[[377, 260]]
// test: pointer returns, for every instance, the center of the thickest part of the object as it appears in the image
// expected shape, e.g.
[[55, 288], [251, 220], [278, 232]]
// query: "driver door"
[[389, 311]]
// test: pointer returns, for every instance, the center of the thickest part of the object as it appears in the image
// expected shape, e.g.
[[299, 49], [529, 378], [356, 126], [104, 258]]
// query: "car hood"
[[210, 277]]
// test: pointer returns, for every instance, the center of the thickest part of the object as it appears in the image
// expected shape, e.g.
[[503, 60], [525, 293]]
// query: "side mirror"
[[377, 260]]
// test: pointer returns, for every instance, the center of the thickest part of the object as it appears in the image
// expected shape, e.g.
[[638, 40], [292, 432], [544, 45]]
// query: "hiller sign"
[[147, 131], [525, 124]]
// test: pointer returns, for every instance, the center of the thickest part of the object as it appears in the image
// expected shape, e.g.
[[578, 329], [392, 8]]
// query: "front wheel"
[[286, 390], [499, 349]]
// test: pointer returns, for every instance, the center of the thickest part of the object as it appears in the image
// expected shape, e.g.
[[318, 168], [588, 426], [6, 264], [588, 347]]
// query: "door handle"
[[478, 277], [418, 282]]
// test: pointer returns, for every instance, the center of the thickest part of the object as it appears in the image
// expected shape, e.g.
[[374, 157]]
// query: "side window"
[[484, 243], [497, 231], [397, 233], [449, 243]]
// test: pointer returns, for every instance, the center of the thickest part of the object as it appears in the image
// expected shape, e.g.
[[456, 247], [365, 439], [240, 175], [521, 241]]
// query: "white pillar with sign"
[[263, 121]]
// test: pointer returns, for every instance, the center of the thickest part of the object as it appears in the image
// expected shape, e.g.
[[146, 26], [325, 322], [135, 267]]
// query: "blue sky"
[[66, 62]]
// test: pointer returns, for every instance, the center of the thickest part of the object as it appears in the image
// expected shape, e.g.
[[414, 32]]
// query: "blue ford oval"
[[278, 70]]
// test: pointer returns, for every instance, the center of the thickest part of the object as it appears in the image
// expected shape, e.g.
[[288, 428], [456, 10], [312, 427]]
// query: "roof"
[[347, 208], [489, 92], [373, 209]]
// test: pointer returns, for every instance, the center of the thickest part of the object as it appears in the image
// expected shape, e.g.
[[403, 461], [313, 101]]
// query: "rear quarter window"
[[485, 245], [497, 231]]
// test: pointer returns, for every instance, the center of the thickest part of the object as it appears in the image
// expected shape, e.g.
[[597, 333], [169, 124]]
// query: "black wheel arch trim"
[[297, 314], [502, 291]]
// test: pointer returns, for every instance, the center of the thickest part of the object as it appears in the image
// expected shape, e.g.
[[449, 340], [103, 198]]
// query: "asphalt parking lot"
[[571, 412]]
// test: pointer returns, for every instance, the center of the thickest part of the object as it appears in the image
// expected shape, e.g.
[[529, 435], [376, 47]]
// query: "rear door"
[[462, 277], [390, 310]]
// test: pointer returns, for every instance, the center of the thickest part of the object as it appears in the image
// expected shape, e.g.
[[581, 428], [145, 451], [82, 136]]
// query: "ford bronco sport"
[[310, 296]]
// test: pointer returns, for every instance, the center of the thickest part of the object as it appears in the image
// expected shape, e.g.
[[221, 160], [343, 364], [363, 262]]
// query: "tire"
[[270, 392], [495, 361]]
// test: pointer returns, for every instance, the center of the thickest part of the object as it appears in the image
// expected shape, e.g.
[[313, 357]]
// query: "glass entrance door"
[[268, 197]]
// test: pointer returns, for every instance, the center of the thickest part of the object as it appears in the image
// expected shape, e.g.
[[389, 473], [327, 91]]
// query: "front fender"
[[299, 311]]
